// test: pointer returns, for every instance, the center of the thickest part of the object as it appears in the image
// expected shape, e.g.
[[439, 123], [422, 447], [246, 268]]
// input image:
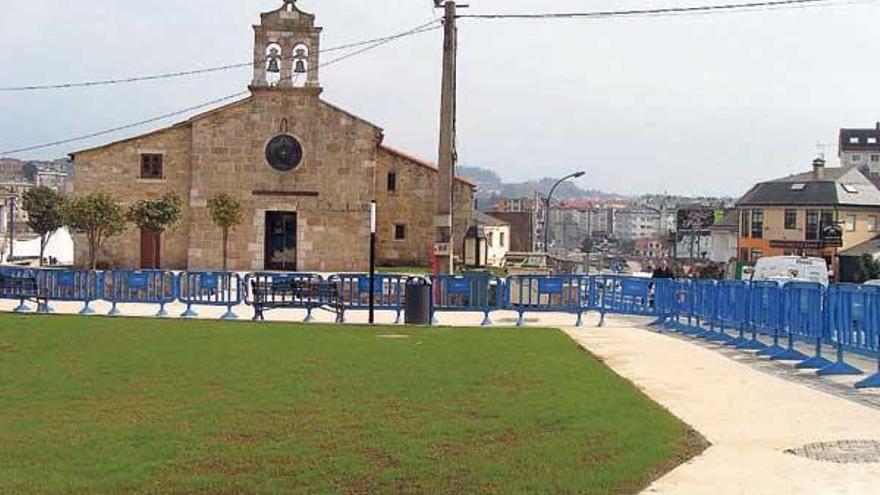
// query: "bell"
[[273, 66], [300, 67]]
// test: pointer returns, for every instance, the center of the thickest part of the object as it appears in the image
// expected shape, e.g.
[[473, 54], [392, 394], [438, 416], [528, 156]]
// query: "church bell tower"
[[286, 49]]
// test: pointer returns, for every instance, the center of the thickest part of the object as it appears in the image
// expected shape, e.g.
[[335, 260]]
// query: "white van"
[[790, 269]]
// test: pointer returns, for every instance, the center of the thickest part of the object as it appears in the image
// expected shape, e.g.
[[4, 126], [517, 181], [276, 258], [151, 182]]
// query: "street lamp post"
[[575, 175]]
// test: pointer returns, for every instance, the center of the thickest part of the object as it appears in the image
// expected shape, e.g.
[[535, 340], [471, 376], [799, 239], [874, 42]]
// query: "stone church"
[[304, 169]]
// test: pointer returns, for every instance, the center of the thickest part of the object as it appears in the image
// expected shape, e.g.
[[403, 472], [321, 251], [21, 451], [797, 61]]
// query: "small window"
[[490, 239], [152, 166], [800, 186], [790, 219], [857, 158], [757, 224], [399, 232], [872, 223], [812, 225], [744, 254], [501, 238], [850, 188], [392, 182], [853, 140], [875, 158], [872, 140], [850, 223]]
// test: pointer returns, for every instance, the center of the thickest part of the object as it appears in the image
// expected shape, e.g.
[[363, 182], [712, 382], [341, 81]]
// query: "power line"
[[670, 11], [376, 44], [170, 75], [124, 127]]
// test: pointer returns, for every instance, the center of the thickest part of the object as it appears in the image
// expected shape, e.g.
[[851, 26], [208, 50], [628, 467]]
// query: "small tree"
[[45, 209], [226, 212], [156, 215], [98, 216], [869, 268]]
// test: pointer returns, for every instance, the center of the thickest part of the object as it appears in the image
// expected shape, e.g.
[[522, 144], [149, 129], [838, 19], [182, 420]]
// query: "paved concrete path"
[[750, 417]]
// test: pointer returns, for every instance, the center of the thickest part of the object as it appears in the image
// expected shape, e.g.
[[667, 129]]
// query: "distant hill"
[[491, 187]]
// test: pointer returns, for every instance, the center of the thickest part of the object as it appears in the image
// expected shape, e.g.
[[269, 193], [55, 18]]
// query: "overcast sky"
[[699, 105]]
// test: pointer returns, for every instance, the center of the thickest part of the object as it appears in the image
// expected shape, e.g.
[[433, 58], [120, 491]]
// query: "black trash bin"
[[418, 302]]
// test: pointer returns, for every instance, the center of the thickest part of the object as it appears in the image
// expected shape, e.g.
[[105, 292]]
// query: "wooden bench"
[[24, 289], [297, 294]]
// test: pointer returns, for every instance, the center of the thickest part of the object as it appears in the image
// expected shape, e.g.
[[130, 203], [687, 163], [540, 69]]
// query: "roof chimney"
[[818, 169]]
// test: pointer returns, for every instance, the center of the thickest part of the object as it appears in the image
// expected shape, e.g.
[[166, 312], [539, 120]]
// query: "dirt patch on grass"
[[7, 347]]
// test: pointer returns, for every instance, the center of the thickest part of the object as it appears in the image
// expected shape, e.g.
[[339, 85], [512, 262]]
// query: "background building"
[[860, 148], [791, 215]]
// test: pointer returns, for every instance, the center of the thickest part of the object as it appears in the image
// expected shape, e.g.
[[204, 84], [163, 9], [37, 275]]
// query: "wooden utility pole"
[[444, 239]]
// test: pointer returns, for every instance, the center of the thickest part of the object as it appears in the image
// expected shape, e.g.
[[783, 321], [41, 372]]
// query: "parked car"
[[789, 269]]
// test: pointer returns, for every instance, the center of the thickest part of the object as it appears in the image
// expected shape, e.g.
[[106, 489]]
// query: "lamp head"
[[579, 175]]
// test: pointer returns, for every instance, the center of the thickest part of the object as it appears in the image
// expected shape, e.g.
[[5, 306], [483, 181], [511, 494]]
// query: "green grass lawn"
[[100, 406]]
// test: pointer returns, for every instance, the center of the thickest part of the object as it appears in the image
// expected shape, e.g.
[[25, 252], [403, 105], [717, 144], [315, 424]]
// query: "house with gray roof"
[[819, 213]]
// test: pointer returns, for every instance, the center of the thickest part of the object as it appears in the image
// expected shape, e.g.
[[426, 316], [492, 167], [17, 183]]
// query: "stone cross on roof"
[[290, 2]]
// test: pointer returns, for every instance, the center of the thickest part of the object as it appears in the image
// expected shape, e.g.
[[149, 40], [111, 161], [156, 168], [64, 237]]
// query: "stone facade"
[[411, 205], [343, 167]]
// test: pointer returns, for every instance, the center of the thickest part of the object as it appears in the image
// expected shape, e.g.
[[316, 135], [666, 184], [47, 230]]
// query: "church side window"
[[152, 166], [392, 182], [399, 232]]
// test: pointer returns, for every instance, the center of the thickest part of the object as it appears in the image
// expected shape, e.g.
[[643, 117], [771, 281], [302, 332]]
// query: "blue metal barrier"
[[623, 295], [764, 317], [477, 293], [665, 302], [871, 342], [685, 301], [706, 303], [205, 288], [83, 286], [389, 292], [140, 287], [9, 293], [848, 313], [537, 293], [803, 309], [733, 311]]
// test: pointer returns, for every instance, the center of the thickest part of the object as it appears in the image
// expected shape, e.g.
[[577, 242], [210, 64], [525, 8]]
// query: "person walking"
[[663, 271]]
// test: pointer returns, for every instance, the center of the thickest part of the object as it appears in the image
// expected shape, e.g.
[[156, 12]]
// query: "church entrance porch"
[[280, 243]]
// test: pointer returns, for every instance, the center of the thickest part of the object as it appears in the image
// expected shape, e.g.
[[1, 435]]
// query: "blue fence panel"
[[666, 300], [871, 344], [850, 312], [803, 320], [733, 310], [539, 293], [18, 293], [706, 309], [389, 291], [140, 287], [686, 307], [83, 286], [624, 295], [483, 293], [764, 315], [207, 288]]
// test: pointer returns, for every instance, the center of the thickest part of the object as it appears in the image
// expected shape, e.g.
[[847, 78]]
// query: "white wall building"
[[497, 238], [640, 223]]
